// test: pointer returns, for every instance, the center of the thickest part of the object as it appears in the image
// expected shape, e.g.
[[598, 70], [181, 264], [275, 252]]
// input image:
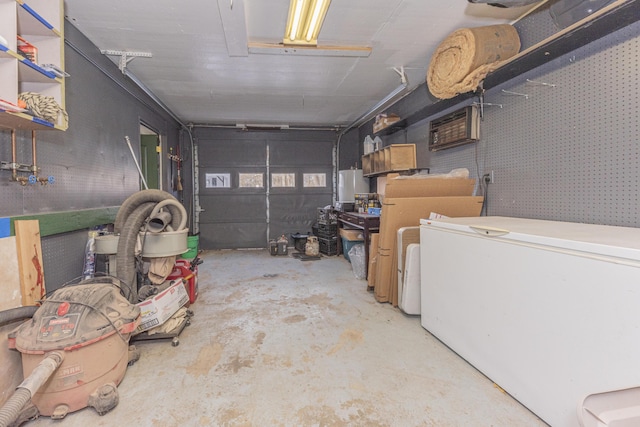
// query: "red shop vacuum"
[[80, 337]]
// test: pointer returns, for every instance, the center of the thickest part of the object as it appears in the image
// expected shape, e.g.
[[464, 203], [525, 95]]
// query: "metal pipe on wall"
[[14, 164], [336, 168], [34, 156]]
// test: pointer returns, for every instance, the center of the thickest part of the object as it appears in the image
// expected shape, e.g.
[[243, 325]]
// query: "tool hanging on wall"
[[170, 157], [179, 177]]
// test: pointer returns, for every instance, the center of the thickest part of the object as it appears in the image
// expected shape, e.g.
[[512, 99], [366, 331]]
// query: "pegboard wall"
[[568, 150], [61, 263], [90, 162]]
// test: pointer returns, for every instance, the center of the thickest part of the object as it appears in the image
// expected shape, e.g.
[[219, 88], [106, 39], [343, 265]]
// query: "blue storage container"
[[347, 245]]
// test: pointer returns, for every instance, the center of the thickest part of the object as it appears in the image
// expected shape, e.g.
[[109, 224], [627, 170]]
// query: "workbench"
[[361, 221]]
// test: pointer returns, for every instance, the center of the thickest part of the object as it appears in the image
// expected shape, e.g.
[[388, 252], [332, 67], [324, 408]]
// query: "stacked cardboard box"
[[406, 201]]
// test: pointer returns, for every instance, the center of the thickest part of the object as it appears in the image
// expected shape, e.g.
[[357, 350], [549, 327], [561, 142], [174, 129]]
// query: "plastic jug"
[[273, 247], [283, 242], [312, 247]]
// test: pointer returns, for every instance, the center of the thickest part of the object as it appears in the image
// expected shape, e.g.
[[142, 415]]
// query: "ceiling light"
[[308, 50], [305, 20], [297, 15]]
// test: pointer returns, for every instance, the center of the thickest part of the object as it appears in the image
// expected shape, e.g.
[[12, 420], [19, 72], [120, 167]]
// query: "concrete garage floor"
[[280, 342]]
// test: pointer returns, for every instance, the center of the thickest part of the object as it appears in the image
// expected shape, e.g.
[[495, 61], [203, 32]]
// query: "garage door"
[[257, 186]]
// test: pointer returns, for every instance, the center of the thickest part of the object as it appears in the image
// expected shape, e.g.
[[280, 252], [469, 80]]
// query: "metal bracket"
[[483, 104], [401, 73], [125, 57], [8, 166], [533, 82], [508, 92]]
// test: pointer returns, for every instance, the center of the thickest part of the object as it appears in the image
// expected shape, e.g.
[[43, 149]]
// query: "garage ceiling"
[[202, 70]]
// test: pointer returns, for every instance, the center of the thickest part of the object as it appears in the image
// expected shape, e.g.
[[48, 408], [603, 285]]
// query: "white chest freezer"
[[550, 311]]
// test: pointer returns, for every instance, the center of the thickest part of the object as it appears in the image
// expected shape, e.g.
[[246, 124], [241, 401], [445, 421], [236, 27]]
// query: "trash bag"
[[356, 256]]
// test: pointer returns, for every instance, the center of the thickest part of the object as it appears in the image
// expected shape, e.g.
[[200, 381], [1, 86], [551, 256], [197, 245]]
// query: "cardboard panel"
[[10, 295], [382, 285], [373, 256], [407, 212], [401, 187], [30, 261], [351, 234]]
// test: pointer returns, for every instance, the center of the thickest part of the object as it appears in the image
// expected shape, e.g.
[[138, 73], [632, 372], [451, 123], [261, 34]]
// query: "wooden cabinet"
[[40, 24], [393, 158]]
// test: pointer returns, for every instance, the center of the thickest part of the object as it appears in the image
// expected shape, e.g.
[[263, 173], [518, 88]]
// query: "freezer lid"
[[613, 241]]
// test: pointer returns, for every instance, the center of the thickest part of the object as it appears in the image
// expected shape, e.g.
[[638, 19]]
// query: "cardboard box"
[[428, 187], [407, 212], [160, 308], [351, 234], [384, 121], [27, 50], [381, 184]]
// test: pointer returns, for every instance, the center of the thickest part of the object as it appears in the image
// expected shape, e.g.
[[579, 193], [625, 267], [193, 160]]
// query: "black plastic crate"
[[328, 246], [327, 231], [299, 241], [327, 216]]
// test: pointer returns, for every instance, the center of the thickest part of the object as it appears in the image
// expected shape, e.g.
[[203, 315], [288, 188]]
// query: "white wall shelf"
[[40, 22]]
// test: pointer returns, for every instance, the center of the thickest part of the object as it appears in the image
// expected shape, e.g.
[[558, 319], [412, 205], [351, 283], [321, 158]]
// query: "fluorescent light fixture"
[[307, 50], [305, 20], [297, 15], [315, 19]]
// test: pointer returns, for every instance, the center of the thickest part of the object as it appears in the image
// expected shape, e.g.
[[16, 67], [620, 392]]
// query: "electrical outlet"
[[488, 178]]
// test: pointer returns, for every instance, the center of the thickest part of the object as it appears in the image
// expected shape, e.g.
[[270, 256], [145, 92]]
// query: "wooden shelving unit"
[[41, 23], [393, 158]]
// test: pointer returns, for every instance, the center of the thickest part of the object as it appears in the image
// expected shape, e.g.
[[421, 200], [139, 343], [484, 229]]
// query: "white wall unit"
[[548, 310], [40, 22], [350, 183]]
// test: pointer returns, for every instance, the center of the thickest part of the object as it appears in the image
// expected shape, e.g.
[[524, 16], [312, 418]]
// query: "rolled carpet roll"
[[467, 55]]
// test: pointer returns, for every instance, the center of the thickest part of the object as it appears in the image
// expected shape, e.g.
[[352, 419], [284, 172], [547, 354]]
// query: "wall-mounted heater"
[[454, 129]]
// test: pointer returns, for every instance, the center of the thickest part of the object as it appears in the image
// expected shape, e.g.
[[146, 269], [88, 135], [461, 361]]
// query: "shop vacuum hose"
[[25, 391], [15, 314], [132, 214]]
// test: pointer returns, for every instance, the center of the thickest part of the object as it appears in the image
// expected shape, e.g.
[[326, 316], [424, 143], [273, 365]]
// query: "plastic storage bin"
[[299, 241], [192, 245], [347, 245], [328, 246]]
